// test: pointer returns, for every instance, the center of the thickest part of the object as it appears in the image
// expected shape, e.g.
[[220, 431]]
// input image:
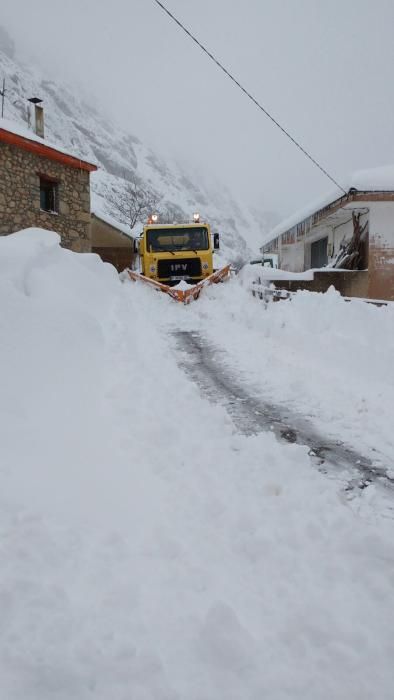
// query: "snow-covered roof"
[[379, 179], [374, 179], [20, 130]]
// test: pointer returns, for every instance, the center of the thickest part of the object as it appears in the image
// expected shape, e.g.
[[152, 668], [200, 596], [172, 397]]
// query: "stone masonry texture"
[[20, 173]]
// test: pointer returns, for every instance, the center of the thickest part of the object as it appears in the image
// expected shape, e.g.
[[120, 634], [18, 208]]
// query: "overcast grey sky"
[[323, 68]]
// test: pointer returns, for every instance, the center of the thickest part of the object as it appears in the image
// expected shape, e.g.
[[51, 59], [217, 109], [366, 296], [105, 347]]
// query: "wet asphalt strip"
[[251, 415]]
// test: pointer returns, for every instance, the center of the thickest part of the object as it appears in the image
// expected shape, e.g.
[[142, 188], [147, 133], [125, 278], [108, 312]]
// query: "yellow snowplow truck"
[[177, 258]]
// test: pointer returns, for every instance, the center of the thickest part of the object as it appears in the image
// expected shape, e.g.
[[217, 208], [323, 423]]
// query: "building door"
[[319, 253]]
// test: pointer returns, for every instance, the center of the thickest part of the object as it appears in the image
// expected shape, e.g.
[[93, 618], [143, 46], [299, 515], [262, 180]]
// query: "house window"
[[49, 194]]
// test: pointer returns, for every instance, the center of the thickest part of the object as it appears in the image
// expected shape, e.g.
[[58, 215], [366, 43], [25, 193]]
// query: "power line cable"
[[248, 94]]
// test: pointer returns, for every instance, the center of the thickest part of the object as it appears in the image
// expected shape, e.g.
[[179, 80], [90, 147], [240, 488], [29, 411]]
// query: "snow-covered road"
[[151, 548], [251, 415]]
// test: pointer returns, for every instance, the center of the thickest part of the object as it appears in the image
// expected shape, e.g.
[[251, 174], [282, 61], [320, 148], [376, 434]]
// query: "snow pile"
[[52, 352], [150, 551], [252, 274], [269, 273], [249, 274], [183, 286]]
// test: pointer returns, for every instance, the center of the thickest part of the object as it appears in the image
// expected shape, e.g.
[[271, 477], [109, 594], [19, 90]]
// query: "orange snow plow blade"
[[185, 296]]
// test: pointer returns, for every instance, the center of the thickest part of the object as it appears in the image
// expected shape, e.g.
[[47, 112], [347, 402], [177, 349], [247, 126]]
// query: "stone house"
[[320, 237], [112, 241], [43, 186]]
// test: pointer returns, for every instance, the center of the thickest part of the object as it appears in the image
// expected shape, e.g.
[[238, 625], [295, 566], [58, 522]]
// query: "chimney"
[[39, 111], [39, 116]]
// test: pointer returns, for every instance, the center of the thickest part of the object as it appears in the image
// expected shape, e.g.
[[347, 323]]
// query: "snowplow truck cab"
[[170, 253]]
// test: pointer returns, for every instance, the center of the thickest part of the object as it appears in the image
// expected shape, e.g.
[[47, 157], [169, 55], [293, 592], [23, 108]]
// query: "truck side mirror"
[[216, 244], [135, 246]]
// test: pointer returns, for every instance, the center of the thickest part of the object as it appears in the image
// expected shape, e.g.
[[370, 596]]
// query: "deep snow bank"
[[52, 355], [148, 550]]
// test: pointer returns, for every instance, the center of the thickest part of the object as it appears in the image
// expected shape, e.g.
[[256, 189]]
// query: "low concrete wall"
[[349, 283]]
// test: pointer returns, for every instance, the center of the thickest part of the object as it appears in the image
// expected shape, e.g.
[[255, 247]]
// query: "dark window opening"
[[49, 195], [319, 257]]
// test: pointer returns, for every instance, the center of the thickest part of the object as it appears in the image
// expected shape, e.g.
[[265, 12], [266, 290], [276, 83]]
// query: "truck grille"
[[179, 267]]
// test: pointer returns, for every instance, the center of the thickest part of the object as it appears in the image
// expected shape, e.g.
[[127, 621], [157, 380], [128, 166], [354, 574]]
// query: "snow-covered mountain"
[[78, 126]]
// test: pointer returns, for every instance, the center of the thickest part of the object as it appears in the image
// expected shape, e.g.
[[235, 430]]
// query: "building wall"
[[104, 235], [20, 197], [111, 245], [292, 257], [378, 281], [381, 251], [296, 256]]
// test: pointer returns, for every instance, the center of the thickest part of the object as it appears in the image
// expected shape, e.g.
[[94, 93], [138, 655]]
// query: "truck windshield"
[[172, 239]]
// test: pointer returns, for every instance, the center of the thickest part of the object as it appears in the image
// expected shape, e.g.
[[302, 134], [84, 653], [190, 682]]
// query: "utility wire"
[[248, 94]]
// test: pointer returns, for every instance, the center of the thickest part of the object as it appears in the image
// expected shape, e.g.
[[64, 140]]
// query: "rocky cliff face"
[[77, 126]]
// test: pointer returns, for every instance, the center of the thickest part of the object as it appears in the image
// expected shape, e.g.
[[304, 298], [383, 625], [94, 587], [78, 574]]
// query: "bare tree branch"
[[134, 202], [353, 254]]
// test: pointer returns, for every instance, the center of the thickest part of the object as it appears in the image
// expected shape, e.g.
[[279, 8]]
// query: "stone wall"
[[20, 173]]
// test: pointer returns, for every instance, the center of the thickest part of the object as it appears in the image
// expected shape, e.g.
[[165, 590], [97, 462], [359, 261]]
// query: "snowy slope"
[[76, 126], [149, 550]]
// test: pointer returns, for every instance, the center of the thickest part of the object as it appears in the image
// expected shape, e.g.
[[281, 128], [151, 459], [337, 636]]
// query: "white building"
[[318, 236]]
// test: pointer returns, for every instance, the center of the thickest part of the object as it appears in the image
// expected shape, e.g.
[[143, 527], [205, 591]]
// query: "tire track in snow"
[[252, 415]]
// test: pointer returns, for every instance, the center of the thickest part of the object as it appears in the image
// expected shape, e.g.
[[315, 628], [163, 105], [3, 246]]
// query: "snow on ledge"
[[273, 274], [308, 275]]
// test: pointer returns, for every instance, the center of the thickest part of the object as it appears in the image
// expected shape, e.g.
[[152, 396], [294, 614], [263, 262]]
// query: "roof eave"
[[351, 196], [45, 151]]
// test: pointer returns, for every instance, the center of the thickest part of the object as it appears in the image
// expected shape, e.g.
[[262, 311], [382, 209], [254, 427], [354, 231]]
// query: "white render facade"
[[315, 240]]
